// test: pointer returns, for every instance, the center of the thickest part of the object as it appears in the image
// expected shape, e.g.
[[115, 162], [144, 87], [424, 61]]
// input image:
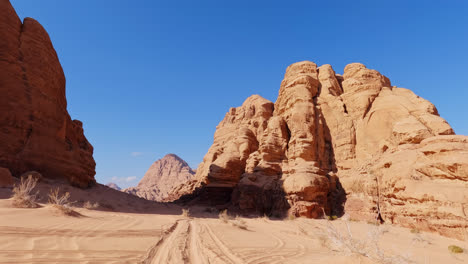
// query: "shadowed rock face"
[[36, 131], [6, 180], [329, 134], [164, 175]]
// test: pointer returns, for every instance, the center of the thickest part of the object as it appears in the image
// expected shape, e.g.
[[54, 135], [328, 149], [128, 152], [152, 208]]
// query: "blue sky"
[[149, 78]]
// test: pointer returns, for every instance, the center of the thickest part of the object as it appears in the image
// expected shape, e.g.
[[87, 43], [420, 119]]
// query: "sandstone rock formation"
[[36, 131], [161, 178], [113, 186], [423, 186], [331, 137], [6, 180]]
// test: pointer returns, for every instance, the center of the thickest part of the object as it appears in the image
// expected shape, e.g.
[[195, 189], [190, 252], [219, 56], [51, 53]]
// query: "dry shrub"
[[61, 202], [265, 218], [455, 249], [90, 206], [22, 194], [347, 243], [239, 223], [332, 217], [223, 216], [186, 213]]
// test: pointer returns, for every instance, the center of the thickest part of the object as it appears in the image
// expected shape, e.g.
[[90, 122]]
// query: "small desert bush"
[[90, 206], [415, 231], [265, 218], [332, 217], [292, 217], [186, 213], [23, 197], [239, 223], [223, 216], [455, 249], [61, 202], [374, 222]]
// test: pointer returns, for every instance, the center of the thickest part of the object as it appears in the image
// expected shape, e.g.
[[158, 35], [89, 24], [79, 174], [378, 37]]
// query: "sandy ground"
[[132, 230]]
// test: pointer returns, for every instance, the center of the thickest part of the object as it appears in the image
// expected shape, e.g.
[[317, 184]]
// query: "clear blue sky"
[[149, 78]]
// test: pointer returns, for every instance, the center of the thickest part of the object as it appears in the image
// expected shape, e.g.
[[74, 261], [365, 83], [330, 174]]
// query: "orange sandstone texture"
[[36, 131], [333, 143]]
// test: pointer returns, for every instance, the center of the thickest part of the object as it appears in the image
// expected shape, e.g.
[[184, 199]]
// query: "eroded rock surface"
[[161, 178], [36, 131], [328, 135]]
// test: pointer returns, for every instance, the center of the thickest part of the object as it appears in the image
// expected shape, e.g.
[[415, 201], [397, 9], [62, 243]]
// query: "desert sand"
[[127, 229]]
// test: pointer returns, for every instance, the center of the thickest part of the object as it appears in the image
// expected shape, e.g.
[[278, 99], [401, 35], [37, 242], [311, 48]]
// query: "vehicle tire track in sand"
[[202, 248], [229, 256], [194, 246], [264, 256], [168, 249], [187, 241], [34, 232], [68, 256], [279, 253]]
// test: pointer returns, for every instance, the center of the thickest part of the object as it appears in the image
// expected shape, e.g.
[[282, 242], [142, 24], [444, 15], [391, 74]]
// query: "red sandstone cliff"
[[36, 131]]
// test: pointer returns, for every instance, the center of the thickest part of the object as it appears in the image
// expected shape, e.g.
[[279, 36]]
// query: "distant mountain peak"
[[162, 176], [113, 186]]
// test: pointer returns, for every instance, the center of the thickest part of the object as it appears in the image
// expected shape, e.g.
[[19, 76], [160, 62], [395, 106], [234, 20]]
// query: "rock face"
[[161, 178], [421, 186], [332, 138], [6, 180], [36, 131], [113, 186]]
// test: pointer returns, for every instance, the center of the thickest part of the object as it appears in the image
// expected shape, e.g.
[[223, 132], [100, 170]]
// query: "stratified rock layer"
[[164, 175], [36, 131], [329, 135]]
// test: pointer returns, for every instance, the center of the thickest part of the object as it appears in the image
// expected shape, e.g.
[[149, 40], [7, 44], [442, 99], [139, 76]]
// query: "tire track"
[[161, 252], [187, 241], [69, 256], [281, 252], [34, 232], [226, 252]]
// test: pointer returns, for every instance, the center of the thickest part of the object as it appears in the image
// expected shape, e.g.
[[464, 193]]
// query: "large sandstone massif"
[[36, 131], [163, 175], [333, 143]]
